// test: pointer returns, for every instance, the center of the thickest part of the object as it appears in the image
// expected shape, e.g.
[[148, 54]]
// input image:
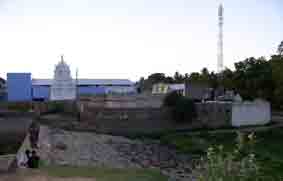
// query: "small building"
[[162, 88]]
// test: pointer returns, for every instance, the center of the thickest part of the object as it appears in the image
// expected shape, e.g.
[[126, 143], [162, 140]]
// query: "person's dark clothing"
[[33, 161], [29, 165]]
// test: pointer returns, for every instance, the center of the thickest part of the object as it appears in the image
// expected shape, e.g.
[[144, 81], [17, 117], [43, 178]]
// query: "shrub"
[[239, 165], [184, 110], [171, 99], [56, 107], [19, 106]]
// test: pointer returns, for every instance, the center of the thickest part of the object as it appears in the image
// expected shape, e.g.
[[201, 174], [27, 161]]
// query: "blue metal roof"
[[48, 82]]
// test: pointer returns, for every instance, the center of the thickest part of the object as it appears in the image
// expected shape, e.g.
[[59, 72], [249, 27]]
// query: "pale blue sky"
[[133, 38]]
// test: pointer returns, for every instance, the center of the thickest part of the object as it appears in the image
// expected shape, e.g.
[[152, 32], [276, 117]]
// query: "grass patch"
[[198, 144], [106, 174], [268, 147]]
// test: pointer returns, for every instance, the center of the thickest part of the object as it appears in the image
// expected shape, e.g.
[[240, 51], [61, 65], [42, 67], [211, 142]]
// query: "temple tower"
[[63, 86]]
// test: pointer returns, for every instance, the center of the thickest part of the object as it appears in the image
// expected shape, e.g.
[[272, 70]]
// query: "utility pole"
[[220, 40]]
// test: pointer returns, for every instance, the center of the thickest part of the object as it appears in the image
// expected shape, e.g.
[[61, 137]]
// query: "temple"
[[22, 87], [63, 87]]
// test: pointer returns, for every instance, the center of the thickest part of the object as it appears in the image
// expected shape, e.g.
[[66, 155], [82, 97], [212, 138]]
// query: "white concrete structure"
[[162, 88], [246, 113], [177, 87], [63, 86]]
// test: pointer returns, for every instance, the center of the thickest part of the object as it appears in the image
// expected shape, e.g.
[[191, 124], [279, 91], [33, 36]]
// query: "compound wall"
[[251, 113]]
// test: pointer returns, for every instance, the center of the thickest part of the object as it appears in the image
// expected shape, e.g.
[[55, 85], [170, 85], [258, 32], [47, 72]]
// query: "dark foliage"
[[184, 110], [171, 99], [56, 107]]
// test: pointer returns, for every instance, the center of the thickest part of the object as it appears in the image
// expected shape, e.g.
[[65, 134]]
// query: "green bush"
[[171, 99], [184, 110]]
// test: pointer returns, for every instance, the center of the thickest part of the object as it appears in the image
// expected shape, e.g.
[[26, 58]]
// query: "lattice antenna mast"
[[220, 39]]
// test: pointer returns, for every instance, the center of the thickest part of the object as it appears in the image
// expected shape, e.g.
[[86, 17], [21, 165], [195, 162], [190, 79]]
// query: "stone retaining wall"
[[60, 147], [132, 121]]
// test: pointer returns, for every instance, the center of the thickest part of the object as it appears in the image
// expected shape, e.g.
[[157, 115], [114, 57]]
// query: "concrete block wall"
[[149, 120], [214, 114], [257, 112]]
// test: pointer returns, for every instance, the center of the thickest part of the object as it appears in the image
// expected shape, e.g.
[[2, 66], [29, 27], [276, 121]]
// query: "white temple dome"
[[63, 87]]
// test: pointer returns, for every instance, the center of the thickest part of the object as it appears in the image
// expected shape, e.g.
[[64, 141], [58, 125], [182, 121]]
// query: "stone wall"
[[213, 114], [131, 121], [124, 101], [67, 106], [101, 101], [147, 120]]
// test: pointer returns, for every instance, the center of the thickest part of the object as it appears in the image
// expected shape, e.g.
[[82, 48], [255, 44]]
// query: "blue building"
[[21, 87]]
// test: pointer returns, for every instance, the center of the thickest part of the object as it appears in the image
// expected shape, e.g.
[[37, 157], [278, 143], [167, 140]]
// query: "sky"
[[133, 38]]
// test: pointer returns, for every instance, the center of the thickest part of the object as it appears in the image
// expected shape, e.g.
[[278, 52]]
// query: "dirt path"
[[38, 176]]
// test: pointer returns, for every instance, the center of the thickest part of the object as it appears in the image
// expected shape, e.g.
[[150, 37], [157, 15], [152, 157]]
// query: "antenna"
[[220, 39]]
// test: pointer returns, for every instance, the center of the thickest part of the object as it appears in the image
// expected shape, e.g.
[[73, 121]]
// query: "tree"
[[178, 78], [226, 79], [186, 76], [195, 77], [140, 85], [253, 78], [213, 80], [280, 49], [276, 62], [205, 75], [157, 77]]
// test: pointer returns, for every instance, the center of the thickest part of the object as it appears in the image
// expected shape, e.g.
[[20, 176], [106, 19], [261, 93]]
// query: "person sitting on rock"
[[33, 161], [22, 159]]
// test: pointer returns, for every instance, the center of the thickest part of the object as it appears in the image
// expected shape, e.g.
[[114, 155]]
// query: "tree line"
[[252, 78]]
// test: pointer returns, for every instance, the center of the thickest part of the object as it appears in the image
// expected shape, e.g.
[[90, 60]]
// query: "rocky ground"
[[152, 154], [90, 149]]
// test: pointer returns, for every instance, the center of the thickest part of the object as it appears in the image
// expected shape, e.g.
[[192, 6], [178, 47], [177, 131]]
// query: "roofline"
[[105, 84]]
